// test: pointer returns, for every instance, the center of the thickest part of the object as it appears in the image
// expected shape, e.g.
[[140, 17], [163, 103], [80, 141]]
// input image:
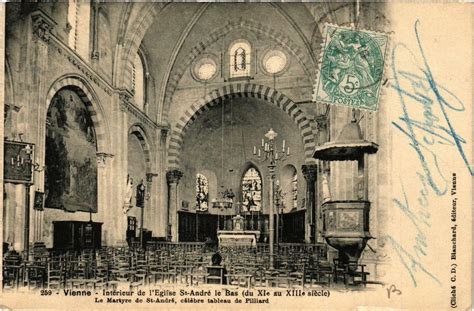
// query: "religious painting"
[[202, 193], [251, 191], [71, 165]]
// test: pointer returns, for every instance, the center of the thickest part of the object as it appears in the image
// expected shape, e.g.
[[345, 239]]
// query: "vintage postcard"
[[237, 156]]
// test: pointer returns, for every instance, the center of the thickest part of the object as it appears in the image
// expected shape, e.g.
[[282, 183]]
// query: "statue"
[[325, 189], [141, 195], [127, 204]]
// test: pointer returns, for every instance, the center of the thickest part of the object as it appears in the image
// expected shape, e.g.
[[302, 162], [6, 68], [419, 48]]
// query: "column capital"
[[102, 158], [149, 177], [42, 25], [164, 133], [309, 171], [124, 101], [173, 176]]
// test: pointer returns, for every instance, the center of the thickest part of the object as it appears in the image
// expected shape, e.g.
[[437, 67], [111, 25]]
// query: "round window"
[[205, 69], [274, 62]]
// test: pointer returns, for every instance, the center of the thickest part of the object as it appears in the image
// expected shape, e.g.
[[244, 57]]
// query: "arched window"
[[294, 190], [252, 190], [202, 193], [138, 81], [240, 59], [78, 19]]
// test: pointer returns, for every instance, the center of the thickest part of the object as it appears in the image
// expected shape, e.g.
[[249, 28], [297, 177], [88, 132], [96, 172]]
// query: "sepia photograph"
[[236, 155]]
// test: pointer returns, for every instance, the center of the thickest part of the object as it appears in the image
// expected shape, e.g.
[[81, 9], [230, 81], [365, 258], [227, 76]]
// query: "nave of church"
[[179, 143]]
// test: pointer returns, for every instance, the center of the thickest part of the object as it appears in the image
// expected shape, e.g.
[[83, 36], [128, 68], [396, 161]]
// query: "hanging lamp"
[[225, 201]]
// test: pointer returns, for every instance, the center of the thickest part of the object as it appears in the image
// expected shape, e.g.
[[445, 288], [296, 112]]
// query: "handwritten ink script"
[[427, 108]]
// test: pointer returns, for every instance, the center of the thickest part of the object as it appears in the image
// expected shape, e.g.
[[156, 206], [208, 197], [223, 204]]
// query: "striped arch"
[[138, 131], [138, 17], [240, 90], [90, 101]]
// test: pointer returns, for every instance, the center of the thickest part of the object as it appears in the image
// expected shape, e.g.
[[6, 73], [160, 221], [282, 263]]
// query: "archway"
[[43, 226], [241, 90], [137, 131], [139, 165], [90, 100]]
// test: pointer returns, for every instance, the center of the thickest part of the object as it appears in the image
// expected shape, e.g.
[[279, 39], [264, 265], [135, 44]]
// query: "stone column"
[[95, 54], [309, 173], [163, 203], [150, 203], [104, 169], [2, 121], [42, 25], [115, 224], [173, 177]]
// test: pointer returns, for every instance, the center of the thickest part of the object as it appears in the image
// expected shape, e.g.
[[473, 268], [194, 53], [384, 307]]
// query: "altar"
[[238, 236]]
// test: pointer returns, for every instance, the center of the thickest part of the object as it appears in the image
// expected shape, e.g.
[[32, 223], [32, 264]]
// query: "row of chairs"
[[109, 267]]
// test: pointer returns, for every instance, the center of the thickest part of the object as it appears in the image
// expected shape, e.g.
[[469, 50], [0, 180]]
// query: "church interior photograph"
[[148, 144]]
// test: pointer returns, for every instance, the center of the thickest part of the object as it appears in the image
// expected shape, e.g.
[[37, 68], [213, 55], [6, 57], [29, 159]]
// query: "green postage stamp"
[[351, 68]]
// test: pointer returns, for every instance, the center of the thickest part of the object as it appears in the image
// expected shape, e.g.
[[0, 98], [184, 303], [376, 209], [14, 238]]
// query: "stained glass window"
[[294, 190], [202, 193], [251, 190], [240, 59]]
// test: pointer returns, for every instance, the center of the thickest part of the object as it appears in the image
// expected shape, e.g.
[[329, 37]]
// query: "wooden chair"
[[199, 276], [54, 275], [11, 275], [139, 276], [356, 274], [271, 278], [339, 271], [35, 274]]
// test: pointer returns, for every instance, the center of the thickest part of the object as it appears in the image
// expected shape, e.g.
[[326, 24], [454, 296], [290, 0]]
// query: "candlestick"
[[288, 151], [263, 142], [276, 156], [259, 153], [254, 150], [283, 144]]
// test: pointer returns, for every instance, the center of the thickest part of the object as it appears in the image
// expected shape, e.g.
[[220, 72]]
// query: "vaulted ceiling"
[[180, 28]]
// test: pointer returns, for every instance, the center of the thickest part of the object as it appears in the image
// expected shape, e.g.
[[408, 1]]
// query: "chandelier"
[[226, 200], [226, 197]]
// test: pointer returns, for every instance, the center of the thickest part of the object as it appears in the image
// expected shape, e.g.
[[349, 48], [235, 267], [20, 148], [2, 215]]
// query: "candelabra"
[[226, 201], [272, 156], [18, 169], [279, 198]]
